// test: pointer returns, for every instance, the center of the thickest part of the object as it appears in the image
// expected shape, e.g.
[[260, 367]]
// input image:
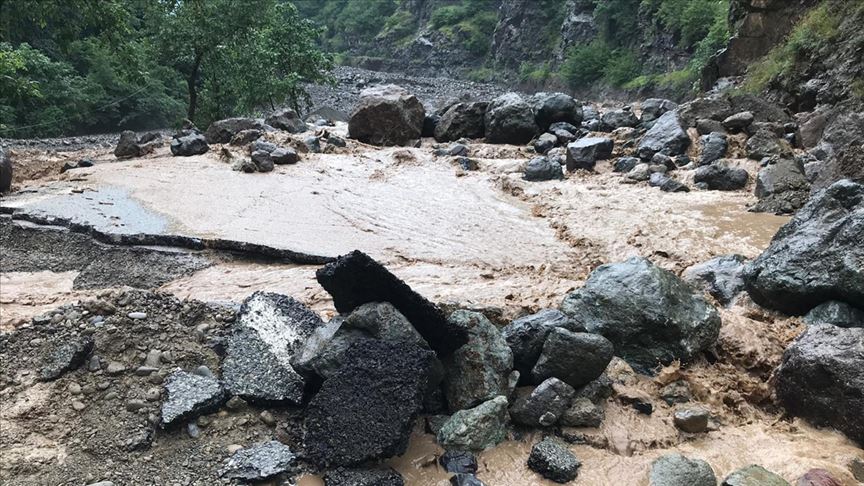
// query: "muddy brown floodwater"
[[484, 238]]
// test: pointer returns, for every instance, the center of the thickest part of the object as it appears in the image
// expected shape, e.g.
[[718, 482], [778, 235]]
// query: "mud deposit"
[[482, 239]]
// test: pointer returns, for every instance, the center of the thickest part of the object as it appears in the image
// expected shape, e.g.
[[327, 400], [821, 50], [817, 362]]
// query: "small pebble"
[[235, 403], [74, 388], [78, 406], [115, 368], [267, 418], [137, 315], [111, 395], [135, 404], [204, 371], [193, 430], [153, 359], [145, 370], [153, 394], [95, 364], [232, 448]]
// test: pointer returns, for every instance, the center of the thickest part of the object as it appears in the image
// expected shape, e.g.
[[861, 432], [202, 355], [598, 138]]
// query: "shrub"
[[584, 64]]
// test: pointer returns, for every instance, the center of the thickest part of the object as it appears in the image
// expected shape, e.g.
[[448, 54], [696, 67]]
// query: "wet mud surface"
[[481, 239]]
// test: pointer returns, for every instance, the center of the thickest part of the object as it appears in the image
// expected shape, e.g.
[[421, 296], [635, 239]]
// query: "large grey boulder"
[[816, 257], [720, 177], [781, 186], [5, 171], [677, 470], [526, 336], [270, 329], [188, 145], [288, 120], [479, 370], [477, 428], [753, 476], [835, 313], [552, 108], [722, 277], [510, 119], [821, 379], [765, 143], [356, 279], [654, 108], [649, 314], [367, 409], [542, 169], [387, 115], [222, 131], [462, 120], [584, 153], [576, 358], [544, 405], [714, 147], [665, 136], [614, 119]]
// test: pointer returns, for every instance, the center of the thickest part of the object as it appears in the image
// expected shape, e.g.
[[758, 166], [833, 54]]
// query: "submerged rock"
[[510, 119], [387, 115], [576, 358], [552, 460], [722, 277], [65, 357], [190, 395], [544, 406], [356, 279], [649, 314], [835, 313], [270, 329], [367, 409], [477, 428], [677, 470], [816, 257], [479, 370], [754, 476], [258, 462], [821, 379], [526, 336]]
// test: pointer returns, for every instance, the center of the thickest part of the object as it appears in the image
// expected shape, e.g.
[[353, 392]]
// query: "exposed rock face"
[[722, 277], [192, 144], [367, 409], [510, 119], [476, 428], [835, 313], [190, 395], [270, 329], [584, 153], [649, 314], [222, 131], [552, 108], [820, 378], [677, 470], [816, 257], [5, 171], [288, 120], [526, 336], [665, 136], [753, 476], [462, 120], [387, 115], [552, 460], [66, 357], [544, 406], [479, 370], [259, 462], [719, 177], [576, 358], [356, 279], [781, 187], [542, 169]]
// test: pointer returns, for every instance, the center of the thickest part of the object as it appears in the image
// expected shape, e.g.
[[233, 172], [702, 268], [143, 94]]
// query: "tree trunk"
[[192, 85]]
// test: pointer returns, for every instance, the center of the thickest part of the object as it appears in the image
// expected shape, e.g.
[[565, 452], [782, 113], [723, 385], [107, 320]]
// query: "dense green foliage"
[[81, 66], [471, 21]]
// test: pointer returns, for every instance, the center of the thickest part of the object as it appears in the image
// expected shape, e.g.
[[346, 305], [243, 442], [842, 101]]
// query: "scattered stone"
[[135, 404], [614, 119], [137, 315], [649, 314], [258, 462], [812, 259], [835, 313], [476, 428], [462, 120], [222, 131], [754, 476], [262, 160], [551, 108], [510, 119], [820, 378], [78, 164], [666, 136], [267, 418], [705, 126], [457, 150], [542, 169], [192, 430], [781, 186], [269, 330], [435, 422], [856, 467], [363, 477], [677, 470], [739, 121], [676, 392], [722, 277], [666, 183], [245, 137], [576, 358], [188, 145], [382, 320], [465, 480], [625, 164], [355, 279], [545, 142], [714, 146], [366, 410], [584, 153], [78, 405], [387, 115], [583, 413], [454, 461], [284, 155], [115, 368], [719, 177], [145, 370], [765, 143], [66, 357], [654, 108], [477, 371], [691, 419], [552, 460], [526, 336], [544, 406], [189, 396], [130, 145], [288, 120], [6, 171], [818, 477]]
